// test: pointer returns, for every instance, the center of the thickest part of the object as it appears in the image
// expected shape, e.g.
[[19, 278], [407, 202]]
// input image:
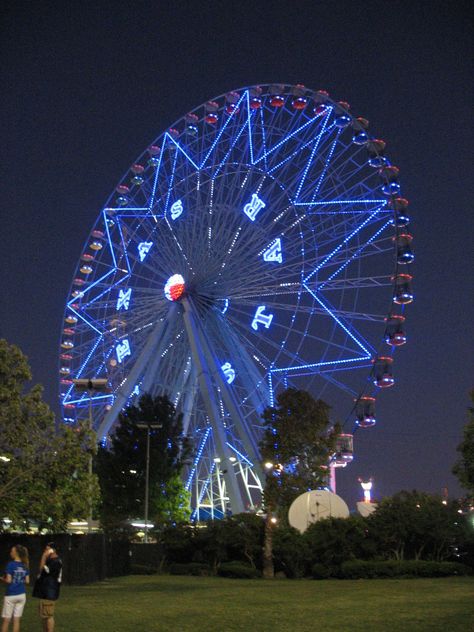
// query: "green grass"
[[211, 604]]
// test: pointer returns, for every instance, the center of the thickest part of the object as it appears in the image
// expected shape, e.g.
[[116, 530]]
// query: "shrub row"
[[371, 569], [334, 547], [193, 568], [142, 569], [236, 570]]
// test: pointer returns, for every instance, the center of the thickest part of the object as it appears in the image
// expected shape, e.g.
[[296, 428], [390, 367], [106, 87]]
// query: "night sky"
[[86, 86]]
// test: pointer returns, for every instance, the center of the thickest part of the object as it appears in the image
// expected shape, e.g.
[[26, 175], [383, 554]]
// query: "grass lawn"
[[211, 604]]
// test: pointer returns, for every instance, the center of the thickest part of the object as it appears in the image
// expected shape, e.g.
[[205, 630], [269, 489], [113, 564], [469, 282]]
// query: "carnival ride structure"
[[260, 242]]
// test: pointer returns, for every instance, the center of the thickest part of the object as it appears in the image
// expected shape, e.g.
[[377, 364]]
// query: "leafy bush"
[[336, 540], [320, 571], [422, 568], [368, 569], [236, 570], [416, 525], [236, 538], [362, 569], [193, 568], [178, 543], [290, 552], [142, 569]]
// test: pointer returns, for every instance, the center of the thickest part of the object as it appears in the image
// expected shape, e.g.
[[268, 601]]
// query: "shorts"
[[46, 608], [13, 606]]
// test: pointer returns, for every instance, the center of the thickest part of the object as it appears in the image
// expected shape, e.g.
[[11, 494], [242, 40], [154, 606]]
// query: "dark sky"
[[85, 87]]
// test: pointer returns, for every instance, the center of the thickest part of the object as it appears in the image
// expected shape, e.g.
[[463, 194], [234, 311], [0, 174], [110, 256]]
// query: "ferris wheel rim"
[[287, 87]]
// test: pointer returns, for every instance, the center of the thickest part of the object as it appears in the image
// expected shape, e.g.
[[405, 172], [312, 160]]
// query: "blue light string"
[[358, 251], [344, 241], [108, 238], [155, 182], [249, 112], [313, 151], [221, 131]]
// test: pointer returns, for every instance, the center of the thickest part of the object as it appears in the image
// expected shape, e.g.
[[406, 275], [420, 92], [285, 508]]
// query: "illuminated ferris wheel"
[[259, 243]]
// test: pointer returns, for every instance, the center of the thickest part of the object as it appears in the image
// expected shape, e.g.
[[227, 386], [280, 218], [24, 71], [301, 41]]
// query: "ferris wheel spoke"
[[154, 344], [305, 332], [355, 283]]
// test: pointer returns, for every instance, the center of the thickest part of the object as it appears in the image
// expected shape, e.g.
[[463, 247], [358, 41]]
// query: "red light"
[[174, 287]]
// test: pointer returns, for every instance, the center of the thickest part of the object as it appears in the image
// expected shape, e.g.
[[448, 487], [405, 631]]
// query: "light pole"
[[145, 425], [91, 386]]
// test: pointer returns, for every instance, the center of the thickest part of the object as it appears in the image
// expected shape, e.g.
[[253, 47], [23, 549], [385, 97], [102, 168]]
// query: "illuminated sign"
[[176, 209], [274, 252], [261, 318], [122, 350], [144, 249], [123, 300], [254, 207], [229, 372]]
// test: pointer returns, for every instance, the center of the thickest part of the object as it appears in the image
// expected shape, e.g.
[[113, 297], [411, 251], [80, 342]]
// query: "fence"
[[86, 558]]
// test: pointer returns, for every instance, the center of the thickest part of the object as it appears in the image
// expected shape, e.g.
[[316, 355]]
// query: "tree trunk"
[[268, 568]]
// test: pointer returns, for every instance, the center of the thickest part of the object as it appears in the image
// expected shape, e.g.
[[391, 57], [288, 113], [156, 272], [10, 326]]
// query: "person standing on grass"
[[17, 575], [48, 584]]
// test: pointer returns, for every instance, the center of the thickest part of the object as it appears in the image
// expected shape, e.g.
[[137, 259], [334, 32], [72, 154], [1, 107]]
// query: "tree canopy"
[[464, 467], [298, 442], [44, 475], [296, 448], [122, 466], [416, 525]]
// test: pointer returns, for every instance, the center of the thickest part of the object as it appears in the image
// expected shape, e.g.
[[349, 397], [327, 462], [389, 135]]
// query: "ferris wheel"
[[258, 243]]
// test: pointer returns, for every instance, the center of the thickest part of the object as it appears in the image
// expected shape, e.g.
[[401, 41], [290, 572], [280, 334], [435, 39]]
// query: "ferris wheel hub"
[[174, 287]]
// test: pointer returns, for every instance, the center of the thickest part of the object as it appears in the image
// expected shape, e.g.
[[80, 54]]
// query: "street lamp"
[[91, 386], [145, 425]]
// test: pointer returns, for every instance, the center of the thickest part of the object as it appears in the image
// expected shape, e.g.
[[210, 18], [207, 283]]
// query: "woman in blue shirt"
[[17, 575]]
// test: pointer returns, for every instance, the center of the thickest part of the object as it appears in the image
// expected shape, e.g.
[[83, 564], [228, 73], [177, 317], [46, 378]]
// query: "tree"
[[416, 525], [234, 538], [43, 473], [464, 468], [335, 540], [297, 445], [122, 467]]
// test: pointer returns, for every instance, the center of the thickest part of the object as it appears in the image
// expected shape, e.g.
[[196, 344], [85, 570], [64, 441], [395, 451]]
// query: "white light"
[[78, 523], [268, 465], [142, 525], [144, 249], [274, 252], [232, 459], [176, 209], [228, 372], [261, 318], [123, 299], [273, 520], [174, 287], [132, 471], [253, 207], [217, 460], [4, 458], [123, 349]]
